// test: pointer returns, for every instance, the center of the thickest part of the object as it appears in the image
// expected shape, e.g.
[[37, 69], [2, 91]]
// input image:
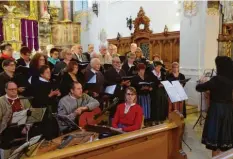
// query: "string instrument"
[[95, 116]]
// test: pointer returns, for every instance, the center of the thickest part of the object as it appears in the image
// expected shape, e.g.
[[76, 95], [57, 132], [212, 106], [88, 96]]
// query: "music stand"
[[69, 124], [209, 74]]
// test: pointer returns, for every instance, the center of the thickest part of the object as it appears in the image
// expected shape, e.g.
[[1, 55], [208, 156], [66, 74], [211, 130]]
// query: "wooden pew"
[[225, 155], [162, 141]]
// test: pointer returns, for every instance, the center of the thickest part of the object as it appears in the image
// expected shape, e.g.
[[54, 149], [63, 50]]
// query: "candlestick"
[[26, 30], [32, 37]]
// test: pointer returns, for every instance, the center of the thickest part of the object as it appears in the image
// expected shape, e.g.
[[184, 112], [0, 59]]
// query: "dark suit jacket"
[[88, 56], [95, 87]]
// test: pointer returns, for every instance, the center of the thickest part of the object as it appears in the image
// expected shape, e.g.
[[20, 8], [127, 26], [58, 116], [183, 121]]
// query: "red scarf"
[[4, 56], [15, 105]]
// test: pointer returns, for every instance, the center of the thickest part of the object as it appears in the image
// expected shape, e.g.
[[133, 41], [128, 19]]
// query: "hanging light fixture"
[[95, 8], [129, 23]]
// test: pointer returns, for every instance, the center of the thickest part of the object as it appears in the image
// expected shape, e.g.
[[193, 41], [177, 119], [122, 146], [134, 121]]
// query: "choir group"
[[69, 82]]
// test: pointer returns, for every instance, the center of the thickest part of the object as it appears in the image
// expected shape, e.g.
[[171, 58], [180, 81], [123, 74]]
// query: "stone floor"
[[193, 138]]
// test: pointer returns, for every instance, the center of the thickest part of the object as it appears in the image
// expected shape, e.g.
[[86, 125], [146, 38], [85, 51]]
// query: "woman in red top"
[[128, 116]]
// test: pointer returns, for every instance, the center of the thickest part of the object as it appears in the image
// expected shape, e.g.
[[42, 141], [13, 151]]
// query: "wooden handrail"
[[79, 149], [225, 155]]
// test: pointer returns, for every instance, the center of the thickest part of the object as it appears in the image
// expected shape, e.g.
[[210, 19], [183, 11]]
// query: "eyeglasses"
[[12, 89], [130, 94]]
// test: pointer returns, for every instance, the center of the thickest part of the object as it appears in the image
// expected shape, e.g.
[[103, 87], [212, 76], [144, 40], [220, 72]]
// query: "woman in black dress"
[[71, 75], [218, 130], [46, 95], [143, 90], [174, 76], [159, 100]]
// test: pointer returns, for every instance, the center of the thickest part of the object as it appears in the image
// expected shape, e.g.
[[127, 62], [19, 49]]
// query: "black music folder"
[[184, 81], [126, 78]]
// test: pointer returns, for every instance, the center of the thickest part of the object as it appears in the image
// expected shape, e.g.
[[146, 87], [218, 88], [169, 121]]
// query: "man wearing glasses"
[[10, 103]]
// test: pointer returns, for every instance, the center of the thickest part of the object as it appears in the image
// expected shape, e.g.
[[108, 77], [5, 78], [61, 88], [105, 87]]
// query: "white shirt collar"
[[92, 70], [127, 107], [157, 75], [42, 79], [10, 97]]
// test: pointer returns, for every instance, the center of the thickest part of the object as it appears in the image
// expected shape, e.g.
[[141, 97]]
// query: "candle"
[[32, 37], [26, 30]]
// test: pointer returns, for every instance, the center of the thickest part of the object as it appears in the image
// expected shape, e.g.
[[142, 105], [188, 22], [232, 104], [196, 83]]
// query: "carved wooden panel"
[[168, 47], [165, 44]]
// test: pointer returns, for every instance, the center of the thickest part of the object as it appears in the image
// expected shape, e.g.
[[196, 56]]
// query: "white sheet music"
[[175, 91], [110, 89], [19, 117], [180, 90], [92, 80]]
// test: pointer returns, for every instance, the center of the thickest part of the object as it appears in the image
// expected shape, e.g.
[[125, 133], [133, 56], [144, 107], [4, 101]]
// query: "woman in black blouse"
[[174, 76], [46, 95], [71, 75], [143, 90], [218, 129], [159, 100]]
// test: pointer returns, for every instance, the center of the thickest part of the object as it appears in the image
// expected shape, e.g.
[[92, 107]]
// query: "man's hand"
[[125, 83], [95, 94], [79, 110], [21, 89]]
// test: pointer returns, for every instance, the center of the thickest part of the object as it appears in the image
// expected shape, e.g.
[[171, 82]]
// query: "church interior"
[[116, 79]]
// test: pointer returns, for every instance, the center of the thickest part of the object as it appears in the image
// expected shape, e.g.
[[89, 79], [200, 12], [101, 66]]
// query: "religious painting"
[[145, 50]]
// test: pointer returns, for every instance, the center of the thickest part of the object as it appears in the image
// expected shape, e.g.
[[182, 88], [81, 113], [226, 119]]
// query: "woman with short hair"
[[71, 75]]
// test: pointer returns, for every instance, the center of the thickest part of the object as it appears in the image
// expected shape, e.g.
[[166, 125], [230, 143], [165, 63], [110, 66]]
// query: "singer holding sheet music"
[[218, 130], [174, 76], [159, 99], [94, 80], [128, 116], [142, 84], [10, 103]]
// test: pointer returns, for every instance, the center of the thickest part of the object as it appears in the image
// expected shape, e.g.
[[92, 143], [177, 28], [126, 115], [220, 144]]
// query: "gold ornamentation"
[[213, 8], [190, 8], [54, 13], [227, 48], [33, 10], [12, 30]]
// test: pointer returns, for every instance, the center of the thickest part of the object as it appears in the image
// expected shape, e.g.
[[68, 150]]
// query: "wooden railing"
[[163, 141]]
